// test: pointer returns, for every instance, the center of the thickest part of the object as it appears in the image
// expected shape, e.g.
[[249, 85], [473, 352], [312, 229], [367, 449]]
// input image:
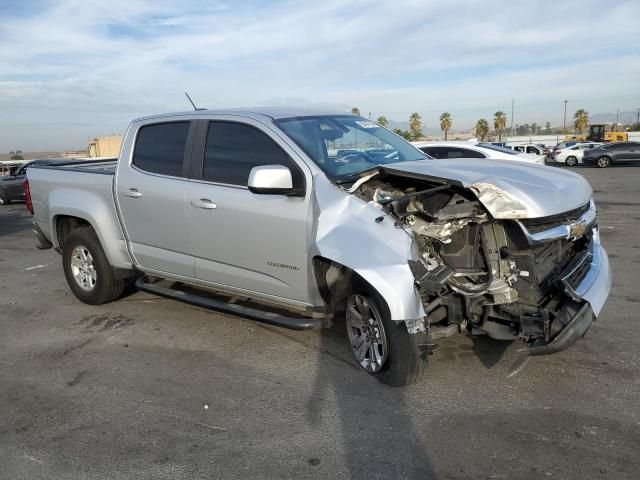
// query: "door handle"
[[204, 203], [133, 193]]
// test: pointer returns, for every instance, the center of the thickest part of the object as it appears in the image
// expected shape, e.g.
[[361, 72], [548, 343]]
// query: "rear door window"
[[160, 148], [233, 149]]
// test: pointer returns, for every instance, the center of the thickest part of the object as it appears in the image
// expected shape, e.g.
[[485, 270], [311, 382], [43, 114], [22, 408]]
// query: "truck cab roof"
[[275, 113]]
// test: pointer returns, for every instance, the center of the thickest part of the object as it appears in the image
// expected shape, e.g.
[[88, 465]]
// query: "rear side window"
[[233, 149], [160, 148]]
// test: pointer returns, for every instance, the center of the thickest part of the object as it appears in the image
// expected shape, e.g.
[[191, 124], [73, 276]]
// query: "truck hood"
[[508, 190]]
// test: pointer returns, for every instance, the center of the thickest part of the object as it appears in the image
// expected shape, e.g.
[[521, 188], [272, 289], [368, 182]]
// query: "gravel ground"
[[150, 388]]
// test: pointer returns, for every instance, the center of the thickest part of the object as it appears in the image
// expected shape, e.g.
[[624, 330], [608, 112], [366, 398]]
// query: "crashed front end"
[[484, 266]]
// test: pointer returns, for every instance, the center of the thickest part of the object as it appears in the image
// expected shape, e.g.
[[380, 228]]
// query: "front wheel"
[[572, 161], [87, 268], [382, 347], [603, 162], [4, 198]]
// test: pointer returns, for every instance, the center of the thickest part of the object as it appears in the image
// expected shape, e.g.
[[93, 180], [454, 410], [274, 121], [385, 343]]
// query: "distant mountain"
[[623, 117]]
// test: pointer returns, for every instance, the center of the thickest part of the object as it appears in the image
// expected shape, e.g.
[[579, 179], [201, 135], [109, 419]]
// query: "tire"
[[571, 161], [4, 198], [87, 269], [603, 161], [403, 362]]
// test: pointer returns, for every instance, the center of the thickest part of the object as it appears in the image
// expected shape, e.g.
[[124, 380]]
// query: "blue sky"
[[73, 69]]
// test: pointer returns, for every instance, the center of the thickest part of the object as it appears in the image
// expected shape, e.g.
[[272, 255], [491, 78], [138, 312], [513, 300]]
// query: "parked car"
[[11, 185], [530, 148], [562, 146], [458, 149], [258, 204], [611, 153], [573, 155]]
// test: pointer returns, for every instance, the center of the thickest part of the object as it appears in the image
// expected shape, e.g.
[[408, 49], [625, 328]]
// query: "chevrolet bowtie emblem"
[[576, 230]]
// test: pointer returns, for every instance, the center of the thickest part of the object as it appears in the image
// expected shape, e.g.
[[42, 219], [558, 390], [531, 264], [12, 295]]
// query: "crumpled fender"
[[349, 231]]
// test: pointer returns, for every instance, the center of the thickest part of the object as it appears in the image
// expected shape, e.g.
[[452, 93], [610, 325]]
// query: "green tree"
[[355, 111], [445, 123], [482, 129], [17, 157], [547, 128], [382, 120], [415, 125], [403, 133], [581, 119], [499, 122]]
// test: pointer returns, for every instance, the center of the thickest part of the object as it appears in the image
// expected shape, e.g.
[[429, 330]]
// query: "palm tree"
[[547, 127], [482, 129], [534, 128], [415, 125], [382, 120], [581, 119], [499, 122], [445, 123], [355, 111]]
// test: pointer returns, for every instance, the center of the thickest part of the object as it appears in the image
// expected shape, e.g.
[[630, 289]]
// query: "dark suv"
[[11, 185], [610, 153]]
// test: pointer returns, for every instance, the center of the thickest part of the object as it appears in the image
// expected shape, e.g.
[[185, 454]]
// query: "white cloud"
[[79, 68]]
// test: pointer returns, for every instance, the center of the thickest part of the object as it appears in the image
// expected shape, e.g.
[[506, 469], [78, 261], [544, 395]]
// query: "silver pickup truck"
[[294, 217]]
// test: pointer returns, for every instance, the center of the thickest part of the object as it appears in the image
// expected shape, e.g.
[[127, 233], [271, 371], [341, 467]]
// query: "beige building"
[[105, 146]]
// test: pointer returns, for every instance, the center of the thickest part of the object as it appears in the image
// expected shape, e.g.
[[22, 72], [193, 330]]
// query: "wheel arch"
[[335, 282]]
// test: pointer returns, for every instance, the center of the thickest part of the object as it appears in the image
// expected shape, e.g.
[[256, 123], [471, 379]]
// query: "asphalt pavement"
[[146, 387]]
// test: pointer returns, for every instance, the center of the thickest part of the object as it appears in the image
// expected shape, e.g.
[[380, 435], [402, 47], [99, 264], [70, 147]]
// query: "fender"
[[363, 238], [98, 213]]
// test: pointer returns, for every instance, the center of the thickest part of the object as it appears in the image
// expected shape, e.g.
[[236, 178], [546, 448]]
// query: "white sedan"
[[573, 155], [461, 149]]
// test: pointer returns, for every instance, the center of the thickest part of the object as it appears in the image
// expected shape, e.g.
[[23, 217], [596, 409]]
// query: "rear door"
[[241, 240], [150, 189]]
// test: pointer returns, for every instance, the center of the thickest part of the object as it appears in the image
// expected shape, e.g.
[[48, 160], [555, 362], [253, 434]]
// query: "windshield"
[[508, 151], [344, 145]]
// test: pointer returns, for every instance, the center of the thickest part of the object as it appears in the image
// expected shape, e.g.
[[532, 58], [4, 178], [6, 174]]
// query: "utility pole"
[[513, 101], [564, 122], [637, 115], [617, 115]]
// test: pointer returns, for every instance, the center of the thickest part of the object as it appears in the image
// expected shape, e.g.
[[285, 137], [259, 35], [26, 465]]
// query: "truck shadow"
[[379, 438]]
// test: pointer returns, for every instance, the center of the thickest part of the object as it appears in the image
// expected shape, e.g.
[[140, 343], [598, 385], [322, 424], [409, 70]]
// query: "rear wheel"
[[572, 161], [87, 268], [4, 198], [382, 347], [603, 161]]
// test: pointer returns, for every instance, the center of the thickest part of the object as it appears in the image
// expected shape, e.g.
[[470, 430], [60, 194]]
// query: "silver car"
[[330, 216]]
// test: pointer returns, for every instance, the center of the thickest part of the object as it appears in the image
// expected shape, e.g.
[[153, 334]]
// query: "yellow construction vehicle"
[[599, 133]]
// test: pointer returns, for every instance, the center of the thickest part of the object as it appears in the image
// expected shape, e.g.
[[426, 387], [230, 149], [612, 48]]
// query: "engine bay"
[[476, 274]]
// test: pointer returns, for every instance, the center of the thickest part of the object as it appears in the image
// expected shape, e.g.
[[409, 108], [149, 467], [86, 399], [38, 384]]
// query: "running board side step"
[[271, 318]]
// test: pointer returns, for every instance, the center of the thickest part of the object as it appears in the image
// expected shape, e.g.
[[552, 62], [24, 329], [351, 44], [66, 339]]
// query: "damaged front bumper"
[[590, 293]]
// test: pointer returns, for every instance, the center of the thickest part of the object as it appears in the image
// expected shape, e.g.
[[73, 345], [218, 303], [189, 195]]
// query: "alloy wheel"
[[83, 269], [366, 333]]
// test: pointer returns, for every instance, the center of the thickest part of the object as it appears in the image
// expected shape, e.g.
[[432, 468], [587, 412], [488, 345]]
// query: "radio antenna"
[[193, 104]]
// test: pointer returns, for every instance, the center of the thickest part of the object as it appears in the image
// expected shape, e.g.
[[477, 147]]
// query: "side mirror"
[[272, 180]]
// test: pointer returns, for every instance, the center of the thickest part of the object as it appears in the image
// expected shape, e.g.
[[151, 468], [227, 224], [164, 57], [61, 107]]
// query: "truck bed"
[[105, 166], [83, 190]]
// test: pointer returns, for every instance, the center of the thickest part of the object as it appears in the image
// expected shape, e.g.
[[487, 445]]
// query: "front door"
[[249, 242], [151, 190]]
